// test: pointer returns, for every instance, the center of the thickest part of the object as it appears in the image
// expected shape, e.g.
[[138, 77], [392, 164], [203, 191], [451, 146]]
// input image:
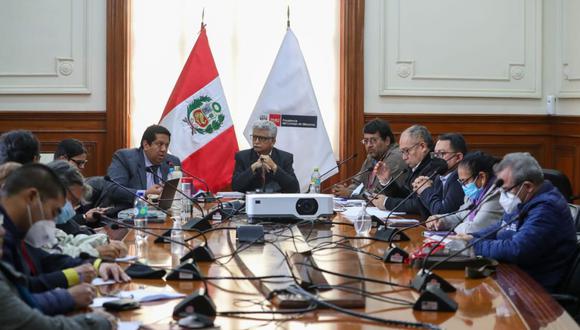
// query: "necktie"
[[154, 169]]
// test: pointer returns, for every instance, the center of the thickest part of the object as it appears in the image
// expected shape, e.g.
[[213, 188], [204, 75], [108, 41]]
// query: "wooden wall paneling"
[[351, 84], [118, 75]]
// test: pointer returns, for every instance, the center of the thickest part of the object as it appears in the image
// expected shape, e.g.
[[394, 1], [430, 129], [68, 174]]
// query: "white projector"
[[289, 206]]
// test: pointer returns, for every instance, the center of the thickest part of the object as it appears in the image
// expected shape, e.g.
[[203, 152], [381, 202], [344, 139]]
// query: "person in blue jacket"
[[536, 231]]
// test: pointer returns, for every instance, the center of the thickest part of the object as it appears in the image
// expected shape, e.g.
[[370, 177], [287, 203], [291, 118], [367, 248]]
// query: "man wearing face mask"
[[30, 198], [444, 194], [536, 231]]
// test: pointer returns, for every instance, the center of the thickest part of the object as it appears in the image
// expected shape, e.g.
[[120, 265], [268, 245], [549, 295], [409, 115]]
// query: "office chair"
[[568, 294], [560, 181]]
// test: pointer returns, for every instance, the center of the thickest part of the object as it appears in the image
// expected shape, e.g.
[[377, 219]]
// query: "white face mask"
[[509, 201], [42, 232]]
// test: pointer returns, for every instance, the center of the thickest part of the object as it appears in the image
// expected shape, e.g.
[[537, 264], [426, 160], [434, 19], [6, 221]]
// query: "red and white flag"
[[198, 117]]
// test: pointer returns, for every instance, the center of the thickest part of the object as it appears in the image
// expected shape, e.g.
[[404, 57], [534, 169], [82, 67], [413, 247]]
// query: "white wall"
[[53, 55], [472, 56]]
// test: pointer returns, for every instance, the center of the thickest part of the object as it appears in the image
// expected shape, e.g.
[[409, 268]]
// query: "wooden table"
[[508, 300]]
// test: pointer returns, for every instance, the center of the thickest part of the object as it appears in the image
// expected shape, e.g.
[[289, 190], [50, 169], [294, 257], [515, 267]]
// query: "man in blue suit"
[[444, 194], [129, 166]]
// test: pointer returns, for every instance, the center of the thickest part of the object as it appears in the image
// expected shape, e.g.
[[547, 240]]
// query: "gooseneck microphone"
[[170, 164], [165, 182], [109, 179], [199, 253], [349, 178], [389, 184], [498, 183], [339, 164]]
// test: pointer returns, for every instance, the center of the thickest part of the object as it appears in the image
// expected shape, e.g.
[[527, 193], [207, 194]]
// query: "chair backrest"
[[571, 282], [560, 181], [575, 210]]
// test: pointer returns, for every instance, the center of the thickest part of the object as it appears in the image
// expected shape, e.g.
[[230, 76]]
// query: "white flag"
[[288, 100]]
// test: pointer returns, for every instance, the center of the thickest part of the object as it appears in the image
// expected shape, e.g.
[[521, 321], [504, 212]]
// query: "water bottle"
[[140, 219], [177, 238], [186, 204], [315, 181], [175, 173]]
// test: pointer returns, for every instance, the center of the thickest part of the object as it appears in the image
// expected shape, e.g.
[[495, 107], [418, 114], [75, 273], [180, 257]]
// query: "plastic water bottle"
[[186, 204], [175, 173], [140, 211], [315, 181], [177, 238]]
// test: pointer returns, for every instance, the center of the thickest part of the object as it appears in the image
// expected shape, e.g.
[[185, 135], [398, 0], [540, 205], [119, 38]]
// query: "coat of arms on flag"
[[204, 115]]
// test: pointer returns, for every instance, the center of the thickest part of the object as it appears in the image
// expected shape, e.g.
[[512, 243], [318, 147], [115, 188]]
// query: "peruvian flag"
[[198, 117]]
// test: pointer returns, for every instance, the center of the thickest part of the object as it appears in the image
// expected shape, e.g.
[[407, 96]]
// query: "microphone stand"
[[193, 176], [338, 165], [165, 182], [349, 178]]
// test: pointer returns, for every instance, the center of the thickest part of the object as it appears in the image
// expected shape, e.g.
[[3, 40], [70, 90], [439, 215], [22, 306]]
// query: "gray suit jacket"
[[128, 169]]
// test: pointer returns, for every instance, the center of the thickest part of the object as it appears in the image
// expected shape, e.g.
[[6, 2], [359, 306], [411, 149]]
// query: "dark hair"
[[150, 134], [69, 148], [37, 176], [18, 146], [479, 161], [456, 141], [381, 126]]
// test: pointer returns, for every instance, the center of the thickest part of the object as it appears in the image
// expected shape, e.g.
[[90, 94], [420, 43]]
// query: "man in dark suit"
[[444, 194], [129, 166], [415, 144], [264, 167]]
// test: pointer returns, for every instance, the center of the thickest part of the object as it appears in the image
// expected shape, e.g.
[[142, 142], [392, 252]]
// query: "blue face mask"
[[471, 191], [66, 213]]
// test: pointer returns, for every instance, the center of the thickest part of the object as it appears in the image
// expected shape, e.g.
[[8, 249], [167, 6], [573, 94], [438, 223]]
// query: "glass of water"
[[140, 223], [363, 223]]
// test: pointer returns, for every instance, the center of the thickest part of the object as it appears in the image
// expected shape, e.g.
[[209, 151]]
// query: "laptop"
[[165, 201]]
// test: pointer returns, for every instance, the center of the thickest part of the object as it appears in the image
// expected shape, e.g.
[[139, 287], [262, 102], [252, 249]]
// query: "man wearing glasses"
[[264, 168], [536, 232], [444, 194], [415, 144], [380, 145]]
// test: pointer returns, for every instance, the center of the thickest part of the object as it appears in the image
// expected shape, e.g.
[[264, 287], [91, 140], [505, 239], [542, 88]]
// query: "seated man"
[[30, 198], [264, 167], [72, 151], [444, 194], [415, 144], [380, 145], [18, 306], [536, 231], [20, 147], [129, 166]]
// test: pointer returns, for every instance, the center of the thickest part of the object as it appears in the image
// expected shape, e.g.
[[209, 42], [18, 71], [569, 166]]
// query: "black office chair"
[[568, 294], [560, 181]]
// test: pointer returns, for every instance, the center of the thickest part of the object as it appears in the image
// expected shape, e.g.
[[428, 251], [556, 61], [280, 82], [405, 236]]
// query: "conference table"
[[509, 299]]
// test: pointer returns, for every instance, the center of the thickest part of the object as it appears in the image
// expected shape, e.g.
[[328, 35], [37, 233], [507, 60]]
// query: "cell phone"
[[124, 304]]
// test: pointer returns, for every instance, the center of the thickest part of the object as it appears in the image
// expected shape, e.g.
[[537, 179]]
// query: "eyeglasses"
[[260, 138], [465, 181], [405, 151], [80, 163], [505, 190], [441, 154], [369, 141]]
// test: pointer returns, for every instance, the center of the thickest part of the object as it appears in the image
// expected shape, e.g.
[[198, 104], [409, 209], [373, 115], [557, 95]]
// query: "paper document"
[[141, 295], [126, 258], [129, 325], [352, 212], [97, 281]]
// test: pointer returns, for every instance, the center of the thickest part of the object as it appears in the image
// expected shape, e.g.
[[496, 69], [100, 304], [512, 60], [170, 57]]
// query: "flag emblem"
[[204, 115]]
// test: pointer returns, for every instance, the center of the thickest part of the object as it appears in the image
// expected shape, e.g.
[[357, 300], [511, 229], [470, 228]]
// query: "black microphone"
[[389, 184], [397, 255], [109, 179], [199, 253], [427, 276], [339, 164], [349, 178], [386, 233], [498, 183], [149, 170], [170, 164]]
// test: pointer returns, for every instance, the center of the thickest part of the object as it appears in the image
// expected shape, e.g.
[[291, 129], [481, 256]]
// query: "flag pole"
[[202, 18], [288, 17]]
